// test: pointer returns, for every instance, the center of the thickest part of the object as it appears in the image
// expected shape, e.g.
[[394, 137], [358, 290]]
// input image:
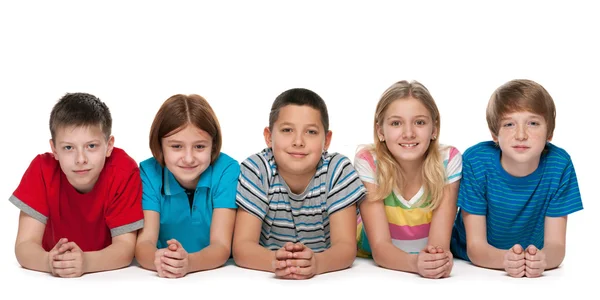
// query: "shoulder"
[[481, 151], [151, 168], [365, 153], [121, 162], [44, 164], [333, 159], [449, 153], [260, 162], [557, 157], [224, 161]]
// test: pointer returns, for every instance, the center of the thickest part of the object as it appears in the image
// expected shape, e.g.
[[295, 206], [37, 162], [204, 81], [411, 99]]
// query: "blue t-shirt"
[[515, 207], [190, 226]]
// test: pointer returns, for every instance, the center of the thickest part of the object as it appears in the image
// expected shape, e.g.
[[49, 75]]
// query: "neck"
[[519, 169], [296, 182]]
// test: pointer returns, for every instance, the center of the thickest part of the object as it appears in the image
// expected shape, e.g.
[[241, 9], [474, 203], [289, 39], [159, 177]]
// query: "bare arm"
[[145, 247], [443, 217], [28, 246], [221, 232], [342, 252], [555, 232], [118, 255], [480, 252], [385, 254], [247, 252]]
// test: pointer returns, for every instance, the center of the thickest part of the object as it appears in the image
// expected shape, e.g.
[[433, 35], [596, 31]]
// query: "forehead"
[[407, 108], [521, 115], [79, 133], [299, 115]]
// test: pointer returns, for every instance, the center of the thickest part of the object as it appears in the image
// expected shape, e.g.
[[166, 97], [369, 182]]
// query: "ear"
[[268, 137], [379, 132], [110, 146], [434, 132], [494, 138], [327, 140], [53, 149], [549, 139]]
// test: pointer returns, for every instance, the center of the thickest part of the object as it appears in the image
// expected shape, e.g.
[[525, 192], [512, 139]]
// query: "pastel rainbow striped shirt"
[[408, 223]]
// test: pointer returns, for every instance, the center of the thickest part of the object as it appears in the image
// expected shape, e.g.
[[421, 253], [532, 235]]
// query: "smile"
[[298, 155], [81, 172], [409, 145]]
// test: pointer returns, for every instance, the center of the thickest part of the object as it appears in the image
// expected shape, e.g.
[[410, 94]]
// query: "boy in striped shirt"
[[297, 202], [517, 190]]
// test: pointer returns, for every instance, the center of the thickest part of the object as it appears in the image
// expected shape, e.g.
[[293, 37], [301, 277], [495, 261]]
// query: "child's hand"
[[303, 265], [53, 253], [69, 263], [514, 261], [157, 261], [280, 267], [433, 262], [535, 261], [175, 262]]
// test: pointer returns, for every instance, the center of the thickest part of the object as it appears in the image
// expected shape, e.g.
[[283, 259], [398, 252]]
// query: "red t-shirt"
[[111, 208]]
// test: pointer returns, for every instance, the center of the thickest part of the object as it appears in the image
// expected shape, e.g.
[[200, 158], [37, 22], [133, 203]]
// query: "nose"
[[298, 140], [521, 134], [81, 158], [408, 132], [188, 158]]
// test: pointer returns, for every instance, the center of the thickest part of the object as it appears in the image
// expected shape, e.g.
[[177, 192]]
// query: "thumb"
[[430, 249], [517, 249], [532, 249]]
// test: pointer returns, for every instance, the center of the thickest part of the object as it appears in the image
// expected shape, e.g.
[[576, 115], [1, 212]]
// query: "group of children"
[[294, 208]]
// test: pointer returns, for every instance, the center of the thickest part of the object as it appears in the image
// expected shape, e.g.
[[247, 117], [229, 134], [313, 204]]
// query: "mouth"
[[406, 145], [520, 147], [188, 168], [297, 154], [82, 172]]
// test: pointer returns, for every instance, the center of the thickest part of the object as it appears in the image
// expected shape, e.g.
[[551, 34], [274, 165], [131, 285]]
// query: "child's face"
[[407, 130], [298, 139], [187, 154], [81, 152], [522, 138]]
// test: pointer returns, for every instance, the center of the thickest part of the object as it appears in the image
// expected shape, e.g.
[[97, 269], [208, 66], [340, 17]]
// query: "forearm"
[[32, 256], [115, 256], [213, 256], [253, 256], [388, 256], [486, 255], [339, 256], [555, 254], [144, 254]]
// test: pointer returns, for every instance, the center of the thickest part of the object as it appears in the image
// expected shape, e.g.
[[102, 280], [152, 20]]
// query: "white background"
[[240, 55]]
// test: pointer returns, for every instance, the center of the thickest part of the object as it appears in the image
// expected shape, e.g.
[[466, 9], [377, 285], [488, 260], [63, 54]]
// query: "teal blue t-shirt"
[[189, 225]]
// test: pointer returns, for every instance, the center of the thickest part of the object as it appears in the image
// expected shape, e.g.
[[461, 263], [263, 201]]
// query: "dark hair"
[[299, 96], [80, 109], [177, 112], [520, 95]]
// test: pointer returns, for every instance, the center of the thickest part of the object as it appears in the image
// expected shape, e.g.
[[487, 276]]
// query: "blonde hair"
[[387, 175]]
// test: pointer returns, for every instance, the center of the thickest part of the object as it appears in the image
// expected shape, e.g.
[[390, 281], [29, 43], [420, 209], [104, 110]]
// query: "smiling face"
[[407, 129], [187, 154], [522, 137], [81, 152], [298, 139]]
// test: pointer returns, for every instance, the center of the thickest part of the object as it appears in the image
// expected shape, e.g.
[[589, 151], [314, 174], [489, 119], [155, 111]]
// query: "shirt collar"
[[172, 187]]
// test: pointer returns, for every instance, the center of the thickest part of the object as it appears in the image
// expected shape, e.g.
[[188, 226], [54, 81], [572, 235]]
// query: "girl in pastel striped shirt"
[[412, 185]]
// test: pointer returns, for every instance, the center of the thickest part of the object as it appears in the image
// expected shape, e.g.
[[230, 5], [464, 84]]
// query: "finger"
[[517, 249], [437, 272], [167, 274], [301, 277], [60, 243], [514, 256], [66, 272], [70, 246], [279, 264], [175, 263], [531, 249], [516, 272], [67, 256], [283, 254], [298, 247], [298, 263], [430, 249], [514, 264], [171, 269], [302, 271], [304, 254], [174, 254], [434, 264], [63, 264], [282, 272], [532, 273], [433, 256], [289, 246]]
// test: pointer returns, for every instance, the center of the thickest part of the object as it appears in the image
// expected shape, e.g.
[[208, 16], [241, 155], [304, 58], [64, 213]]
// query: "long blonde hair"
[[387, 175]]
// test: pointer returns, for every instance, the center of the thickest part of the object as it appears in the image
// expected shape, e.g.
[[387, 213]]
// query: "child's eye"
[[507, 125], [176, 146], [312, 131], [395, 123], [286, 130], [200, 146], [67, 148], [92, 146], [534, 123], [420, 122]]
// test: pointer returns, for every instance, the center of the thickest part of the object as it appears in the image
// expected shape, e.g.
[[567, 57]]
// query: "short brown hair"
[[80, 109], [520, 95], [177, 112], [300, 97]]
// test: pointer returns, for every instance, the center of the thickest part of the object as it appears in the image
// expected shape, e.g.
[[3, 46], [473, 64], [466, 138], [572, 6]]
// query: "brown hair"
[[387, 174], [177, 112], [80, 109], [520, 95]]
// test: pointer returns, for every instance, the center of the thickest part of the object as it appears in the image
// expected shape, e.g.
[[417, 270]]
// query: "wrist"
[[413, 261]]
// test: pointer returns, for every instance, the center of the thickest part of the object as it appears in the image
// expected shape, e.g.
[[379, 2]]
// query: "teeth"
[[408, 145]]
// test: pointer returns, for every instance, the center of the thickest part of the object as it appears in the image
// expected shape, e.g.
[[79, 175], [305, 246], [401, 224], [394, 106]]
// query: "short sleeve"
[[471, 193], [364, 163], [344, 186], [252, 187], [151, 194], [30, 195], [453, 165], [225, 191], [124, 212], [567, 199]]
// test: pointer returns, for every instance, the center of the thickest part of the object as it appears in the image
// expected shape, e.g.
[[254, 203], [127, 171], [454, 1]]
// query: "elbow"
[[238, 254], [378, 255], [473, 251]]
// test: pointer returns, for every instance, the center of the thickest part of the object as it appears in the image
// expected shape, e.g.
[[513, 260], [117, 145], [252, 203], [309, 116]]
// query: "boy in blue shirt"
[[518, 189]]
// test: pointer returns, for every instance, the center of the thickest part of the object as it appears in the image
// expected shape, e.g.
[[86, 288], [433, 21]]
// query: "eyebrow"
[[182, 142], [292, 124], [88, 142], [416, 117]]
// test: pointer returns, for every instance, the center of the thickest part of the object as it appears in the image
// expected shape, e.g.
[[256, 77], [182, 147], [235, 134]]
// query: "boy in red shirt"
[[81, 204]]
